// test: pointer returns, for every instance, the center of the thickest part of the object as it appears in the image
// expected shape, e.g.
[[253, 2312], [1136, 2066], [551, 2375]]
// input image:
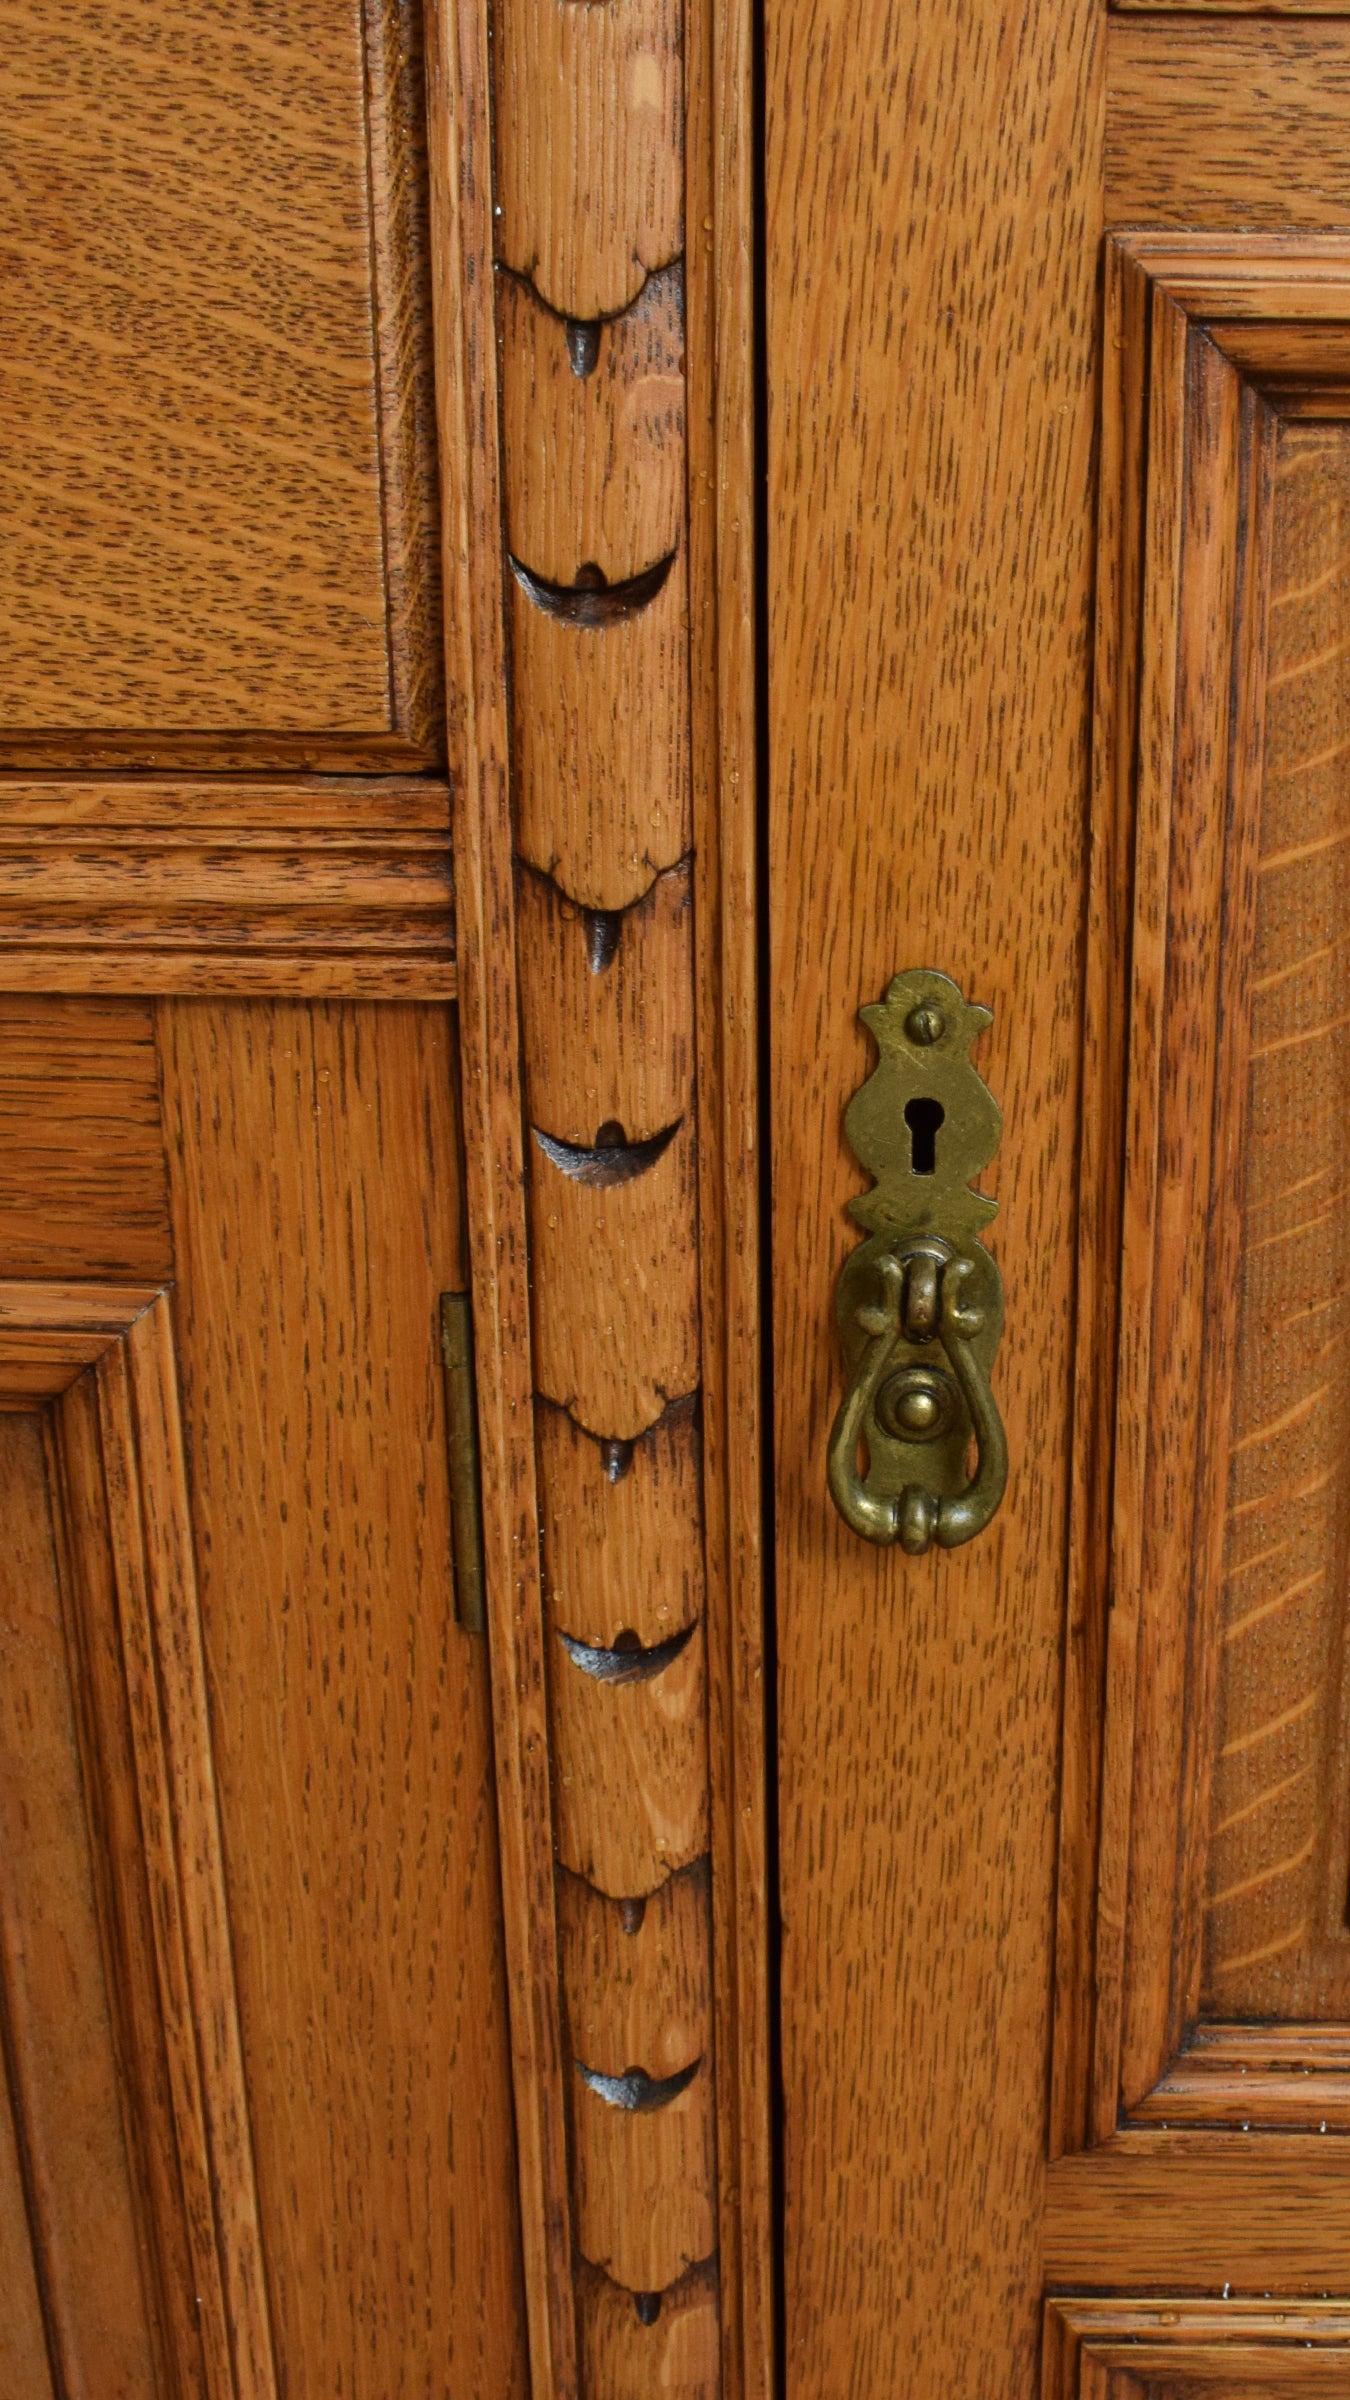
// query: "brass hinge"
[[461, 1435]]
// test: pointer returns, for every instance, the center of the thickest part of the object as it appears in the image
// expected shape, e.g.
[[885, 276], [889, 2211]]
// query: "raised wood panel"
[[1173, 2349], [593, 451], [312, 886], [609, 1040], [217, 408], [1206, 1700], [590, 196], [24, 2358], [316, 1204], [1242, 121], [122, 2042], [83, 1189], [629, 2353], [1250, 2213], [602, 786]]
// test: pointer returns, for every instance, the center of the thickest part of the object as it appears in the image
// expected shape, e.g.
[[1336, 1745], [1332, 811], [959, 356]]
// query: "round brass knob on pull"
[[918, 1405]]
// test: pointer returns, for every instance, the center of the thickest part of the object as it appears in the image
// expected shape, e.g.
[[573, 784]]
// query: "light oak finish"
[[631, 1772], [1209, 790], [676, 2356], [932, 403], [1123, 2350], [640, 1997], [645, 2185], [302, 887], [103, 1499], [595, 463], [602, 789], [616, 1301], [1232, 123], [591, 192], [315, 1196], [621, 1556], [1200, 2212], [615, 1045], [218, 422], [83, 1187]]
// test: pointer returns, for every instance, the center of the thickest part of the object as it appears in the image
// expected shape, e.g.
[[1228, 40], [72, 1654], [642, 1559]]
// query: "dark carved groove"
[[591, 600], [636, 2089], [603, 928], [648, 2306], [616, 1457], [611, 1160], [627, 1662], [583, 344]]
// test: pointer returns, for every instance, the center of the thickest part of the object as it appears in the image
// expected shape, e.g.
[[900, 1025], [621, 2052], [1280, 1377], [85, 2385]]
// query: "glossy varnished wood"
[[83, 1189], [929, 494], [1232, 123], [316, 1209], [218, 416]]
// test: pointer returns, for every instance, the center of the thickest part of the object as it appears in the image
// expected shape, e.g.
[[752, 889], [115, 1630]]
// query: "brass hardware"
[[923, 1123], [461, 1424]]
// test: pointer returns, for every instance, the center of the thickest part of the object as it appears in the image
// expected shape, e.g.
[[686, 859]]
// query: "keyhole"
[[923, 1118]]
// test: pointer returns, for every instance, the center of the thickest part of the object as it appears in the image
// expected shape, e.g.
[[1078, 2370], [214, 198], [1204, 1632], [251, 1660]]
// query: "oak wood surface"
[[677, 2355], [81, 2234], [1232, 123], [316, 1210], [621, 1556], [217, 411], [1259, 2214], [139, 886], [478, 735], [1131, 2350], [645, 2185], [590, 193], [640, 1996], [595, 463], [631, 1771], [602, 786], [614, 1046], [929, 486], [83, 1189], [24, 2358]]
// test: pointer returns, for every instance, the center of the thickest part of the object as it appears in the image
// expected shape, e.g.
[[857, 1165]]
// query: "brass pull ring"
[[917, 1517]]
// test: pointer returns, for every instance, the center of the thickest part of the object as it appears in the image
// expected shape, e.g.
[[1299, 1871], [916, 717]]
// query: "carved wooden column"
[[596, 432]]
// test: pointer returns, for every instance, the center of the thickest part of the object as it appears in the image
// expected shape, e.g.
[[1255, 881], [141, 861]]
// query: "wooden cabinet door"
[[1057, 339]]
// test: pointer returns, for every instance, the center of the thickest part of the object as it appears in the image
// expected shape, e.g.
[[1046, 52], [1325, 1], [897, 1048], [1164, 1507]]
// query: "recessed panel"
[[215, 413]]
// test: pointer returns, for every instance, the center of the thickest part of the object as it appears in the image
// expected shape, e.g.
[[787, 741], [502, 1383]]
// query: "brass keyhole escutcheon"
[[920, 1302]]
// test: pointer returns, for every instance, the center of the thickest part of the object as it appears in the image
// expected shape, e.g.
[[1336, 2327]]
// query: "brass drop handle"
[[910, 1401], [922, 1290]]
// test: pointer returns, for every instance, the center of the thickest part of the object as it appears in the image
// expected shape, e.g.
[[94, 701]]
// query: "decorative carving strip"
[[598, 431], [339, 885], [99, 1361]]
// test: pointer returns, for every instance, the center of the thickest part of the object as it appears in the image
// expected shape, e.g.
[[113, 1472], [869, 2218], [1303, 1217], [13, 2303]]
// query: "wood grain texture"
[[929, 489], [218, 409], [594, 464], [130, 886], [1134, 2350], [78, 2234], [602, 784], [1254, 2213], [677, 2356], [641, 1997], [24, 2358], [631, 1771], [1168, 1726], [616, 1292], [644, 2185], [83, 1189], [615, 1046], [621, 1556], [590, 193], [316, 1209], [1275, 1904], [722, 151], [459, 82], [1229, 124]]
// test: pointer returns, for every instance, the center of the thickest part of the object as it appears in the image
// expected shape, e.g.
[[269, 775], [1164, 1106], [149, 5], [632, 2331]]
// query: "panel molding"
[[101, 1358], [157, 886], [1211, 342], [1161, 2349]]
